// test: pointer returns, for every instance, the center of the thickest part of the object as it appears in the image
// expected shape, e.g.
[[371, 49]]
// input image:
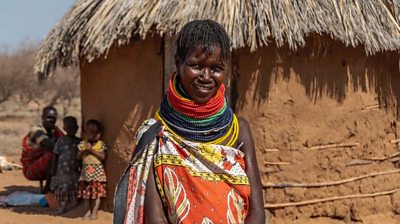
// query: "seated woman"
[[201, 167], [37, 148]]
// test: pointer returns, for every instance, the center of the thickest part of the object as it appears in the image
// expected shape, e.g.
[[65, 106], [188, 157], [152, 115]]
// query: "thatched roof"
[[91, 27]]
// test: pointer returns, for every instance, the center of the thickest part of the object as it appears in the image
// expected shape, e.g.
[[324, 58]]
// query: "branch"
[[371, 107], [359, 162], [318, 147], [277, 163], [324, 184], [394, 141], [271, 150], [384, 158], [314, 201]]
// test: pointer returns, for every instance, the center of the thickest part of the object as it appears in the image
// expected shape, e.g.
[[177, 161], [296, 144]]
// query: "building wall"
[[122, 91], [321, 94]]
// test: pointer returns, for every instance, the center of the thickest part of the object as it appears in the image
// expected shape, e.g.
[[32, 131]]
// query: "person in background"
[[92, 180], [66, 166], [37, 148]]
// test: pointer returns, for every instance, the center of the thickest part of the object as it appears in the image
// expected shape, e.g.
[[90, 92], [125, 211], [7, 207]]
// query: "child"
[[92, 181], [66, 166]]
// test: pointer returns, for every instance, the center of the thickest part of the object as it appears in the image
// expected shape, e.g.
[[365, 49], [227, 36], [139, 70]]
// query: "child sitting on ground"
[[92, 181], [66, 166]]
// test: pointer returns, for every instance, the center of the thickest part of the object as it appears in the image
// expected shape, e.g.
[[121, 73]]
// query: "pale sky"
[[27, 21]]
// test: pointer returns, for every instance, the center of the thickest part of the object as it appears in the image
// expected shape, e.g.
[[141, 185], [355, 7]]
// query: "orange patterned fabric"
[[201, 183], [198, 183]]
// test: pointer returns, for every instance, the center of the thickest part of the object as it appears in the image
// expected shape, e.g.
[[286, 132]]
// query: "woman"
[[201, 167]]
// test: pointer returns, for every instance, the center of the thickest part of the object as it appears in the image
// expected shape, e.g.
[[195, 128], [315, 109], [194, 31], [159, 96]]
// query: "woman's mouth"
[[203, 86]]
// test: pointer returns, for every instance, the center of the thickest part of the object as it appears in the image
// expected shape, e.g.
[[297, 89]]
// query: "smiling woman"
[[195, 162]]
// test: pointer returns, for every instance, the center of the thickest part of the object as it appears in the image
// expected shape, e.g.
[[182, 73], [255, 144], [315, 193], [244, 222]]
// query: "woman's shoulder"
[[243, 125], [245, 138]]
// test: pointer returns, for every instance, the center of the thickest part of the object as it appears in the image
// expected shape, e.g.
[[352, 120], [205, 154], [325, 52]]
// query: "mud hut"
[[318, 81]]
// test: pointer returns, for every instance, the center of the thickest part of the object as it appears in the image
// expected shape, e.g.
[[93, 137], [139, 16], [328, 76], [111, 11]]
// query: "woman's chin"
[[201, 99]]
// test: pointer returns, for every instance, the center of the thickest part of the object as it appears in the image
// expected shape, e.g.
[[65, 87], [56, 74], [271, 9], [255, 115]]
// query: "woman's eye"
[[218, 69], [195, 66]]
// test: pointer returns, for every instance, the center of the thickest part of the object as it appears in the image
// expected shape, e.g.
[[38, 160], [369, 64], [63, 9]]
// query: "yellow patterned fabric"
[[99, 146]]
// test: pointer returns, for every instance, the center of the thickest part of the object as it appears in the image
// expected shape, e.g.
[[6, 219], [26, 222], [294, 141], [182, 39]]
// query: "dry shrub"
[[17, 79]]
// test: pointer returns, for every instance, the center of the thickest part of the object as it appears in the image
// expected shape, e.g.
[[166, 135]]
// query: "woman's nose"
[[206, 73]]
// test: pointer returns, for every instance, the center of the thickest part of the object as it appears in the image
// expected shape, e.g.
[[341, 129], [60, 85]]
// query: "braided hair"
[[207, 34]]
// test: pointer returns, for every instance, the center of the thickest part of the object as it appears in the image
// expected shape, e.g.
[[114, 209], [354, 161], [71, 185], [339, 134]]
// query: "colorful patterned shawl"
[[198, 182], [35, 158]]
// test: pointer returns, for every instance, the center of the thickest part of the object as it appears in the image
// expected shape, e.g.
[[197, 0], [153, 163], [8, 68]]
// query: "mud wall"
[[121, 92], [319, 95]]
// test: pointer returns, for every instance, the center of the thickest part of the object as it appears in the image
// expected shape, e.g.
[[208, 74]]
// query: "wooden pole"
[[276, 163], [271, 150], [318, 147], [384, 158], [330, 183], [314, 201]]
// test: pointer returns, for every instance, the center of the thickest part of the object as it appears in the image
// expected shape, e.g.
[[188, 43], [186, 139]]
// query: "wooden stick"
[[394, 141], [359, 162], [15, 165], [314, 201], [272, 170], [277, 163], [318, 147], [384, 158], [271, 150], [330, 183], [371, 107]]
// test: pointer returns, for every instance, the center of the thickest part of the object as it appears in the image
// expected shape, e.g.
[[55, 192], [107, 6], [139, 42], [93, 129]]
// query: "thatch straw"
[[91, 27]]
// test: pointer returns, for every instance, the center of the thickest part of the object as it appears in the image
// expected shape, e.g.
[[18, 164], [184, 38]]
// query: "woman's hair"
[[96, 124], [207, 34]]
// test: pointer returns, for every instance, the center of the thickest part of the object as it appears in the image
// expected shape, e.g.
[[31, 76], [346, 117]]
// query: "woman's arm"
[[153, 208], [256, 213]]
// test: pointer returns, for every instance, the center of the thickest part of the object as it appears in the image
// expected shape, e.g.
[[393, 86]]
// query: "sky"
[[29, 21]]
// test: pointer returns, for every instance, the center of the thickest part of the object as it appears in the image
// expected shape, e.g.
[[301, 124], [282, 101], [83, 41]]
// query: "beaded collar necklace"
[[212, 122]]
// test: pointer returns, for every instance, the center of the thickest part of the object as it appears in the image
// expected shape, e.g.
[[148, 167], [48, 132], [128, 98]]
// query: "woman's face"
[[201, 73], [49, 119]]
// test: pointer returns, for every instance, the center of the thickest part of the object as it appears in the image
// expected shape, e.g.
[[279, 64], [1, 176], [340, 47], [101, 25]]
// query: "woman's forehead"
[[205, 52]]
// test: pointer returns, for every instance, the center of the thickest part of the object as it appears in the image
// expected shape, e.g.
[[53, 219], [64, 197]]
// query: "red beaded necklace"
[[191, 109]]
